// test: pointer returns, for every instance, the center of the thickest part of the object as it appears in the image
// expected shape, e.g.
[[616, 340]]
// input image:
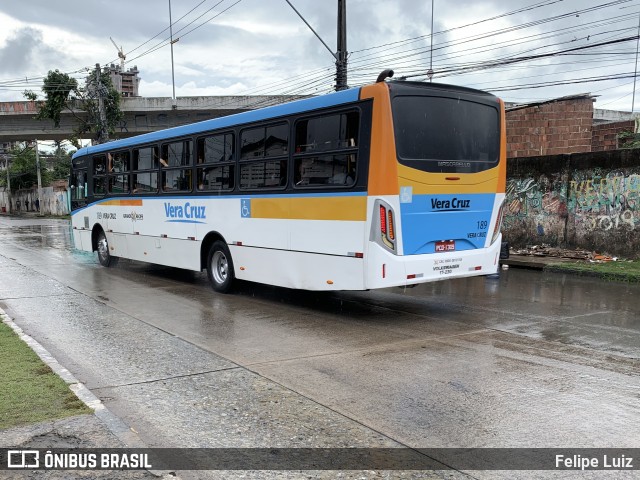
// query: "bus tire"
[[104, 257], [220, 267]]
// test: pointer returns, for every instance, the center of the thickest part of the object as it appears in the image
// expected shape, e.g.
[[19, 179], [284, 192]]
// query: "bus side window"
[[174, 157], [99, 165], [216, 162], [78, 185], [144, 170], [264, 157], [326, 149]]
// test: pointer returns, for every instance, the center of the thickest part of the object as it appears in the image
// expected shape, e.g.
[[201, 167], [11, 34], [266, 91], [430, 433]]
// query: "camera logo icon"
[[23, 459]]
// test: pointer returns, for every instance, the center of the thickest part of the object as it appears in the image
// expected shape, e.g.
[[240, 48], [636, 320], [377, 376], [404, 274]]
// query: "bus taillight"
[[383, 220], [387, 230], [392, 235], [498, 226]]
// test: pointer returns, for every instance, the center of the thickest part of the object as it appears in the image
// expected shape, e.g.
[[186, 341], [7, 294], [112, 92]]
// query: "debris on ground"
[[545, 250]]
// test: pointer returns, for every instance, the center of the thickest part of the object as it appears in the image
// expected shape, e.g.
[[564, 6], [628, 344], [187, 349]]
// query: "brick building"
[[564, 125]]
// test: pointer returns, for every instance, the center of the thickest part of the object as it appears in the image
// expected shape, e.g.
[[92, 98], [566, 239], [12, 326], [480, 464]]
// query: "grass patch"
[[624, 271], [30, 391]]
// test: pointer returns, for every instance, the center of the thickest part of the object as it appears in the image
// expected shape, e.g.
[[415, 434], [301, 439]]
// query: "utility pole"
[[39, 178], [341, 54], [430, 72], [174, 105], [6, 158], [103, 134], [635, 73]]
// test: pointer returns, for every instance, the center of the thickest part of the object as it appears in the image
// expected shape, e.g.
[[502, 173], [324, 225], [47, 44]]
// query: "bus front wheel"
[[220, 267], [104, 257]]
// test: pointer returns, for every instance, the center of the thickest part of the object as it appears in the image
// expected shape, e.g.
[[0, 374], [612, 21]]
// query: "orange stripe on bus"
[[383, 167], [123, 203], [502, 172], [312, 208]]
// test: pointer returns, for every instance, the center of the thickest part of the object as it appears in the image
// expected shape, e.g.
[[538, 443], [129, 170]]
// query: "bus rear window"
[[444, 134]]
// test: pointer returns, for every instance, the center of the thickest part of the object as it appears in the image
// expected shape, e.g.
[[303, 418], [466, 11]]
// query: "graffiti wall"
[[587, 200]]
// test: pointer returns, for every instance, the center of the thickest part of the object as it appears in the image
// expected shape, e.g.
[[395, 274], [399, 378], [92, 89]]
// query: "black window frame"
[[186, 165], [152, 169], [99, 175], [228, 161], [78, 199], [282, 180], [350, 177], [114, 174]]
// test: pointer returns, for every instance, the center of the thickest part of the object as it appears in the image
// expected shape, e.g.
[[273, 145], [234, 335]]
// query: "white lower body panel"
[[388, 270], [308, 271]]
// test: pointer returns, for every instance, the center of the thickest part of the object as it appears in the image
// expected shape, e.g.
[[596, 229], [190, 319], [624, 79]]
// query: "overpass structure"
[[141, 115]]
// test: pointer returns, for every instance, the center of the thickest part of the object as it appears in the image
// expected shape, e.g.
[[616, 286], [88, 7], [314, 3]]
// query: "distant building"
[[6, 147], [126, 83]]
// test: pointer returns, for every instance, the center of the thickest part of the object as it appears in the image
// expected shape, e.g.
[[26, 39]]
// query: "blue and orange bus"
[[391, 184]]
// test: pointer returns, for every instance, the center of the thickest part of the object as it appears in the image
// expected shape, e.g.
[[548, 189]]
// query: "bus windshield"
[[446, 134]]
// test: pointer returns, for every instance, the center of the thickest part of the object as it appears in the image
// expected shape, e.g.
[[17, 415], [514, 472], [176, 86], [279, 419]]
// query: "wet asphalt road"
[[530, 360]]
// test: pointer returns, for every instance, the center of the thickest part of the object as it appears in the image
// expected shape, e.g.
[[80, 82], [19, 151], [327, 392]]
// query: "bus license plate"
[[446, 246]]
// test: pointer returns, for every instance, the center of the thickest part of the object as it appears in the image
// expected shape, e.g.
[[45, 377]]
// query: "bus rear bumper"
[[388, 270]]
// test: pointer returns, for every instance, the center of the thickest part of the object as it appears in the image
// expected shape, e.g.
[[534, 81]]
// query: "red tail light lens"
[[383, 219]]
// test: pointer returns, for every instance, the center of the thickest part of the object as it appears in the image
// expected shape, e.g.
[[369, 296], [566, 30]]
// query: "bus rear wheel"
[[220, 267], [104, 257]]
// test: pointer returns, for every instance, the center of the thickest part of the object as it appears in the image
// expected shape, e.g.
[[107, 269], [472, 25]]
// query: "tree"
[[62, 93], [627, 139], [62, 164], [23, 169], [59, 89]]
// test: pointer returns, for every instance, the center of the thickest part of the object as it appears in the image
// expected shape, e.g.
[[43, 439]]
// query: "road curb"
[[126, 435], [114, 423]]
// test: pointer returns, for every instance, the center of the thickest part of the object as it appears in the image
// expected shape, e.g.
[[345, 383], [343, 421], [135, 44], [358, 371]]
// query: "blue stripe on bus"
[[297, 106], [464, 218]]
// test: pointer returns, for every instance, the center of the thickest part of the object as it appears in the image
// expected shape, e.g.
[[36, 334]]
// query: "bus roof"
[[307, 104]]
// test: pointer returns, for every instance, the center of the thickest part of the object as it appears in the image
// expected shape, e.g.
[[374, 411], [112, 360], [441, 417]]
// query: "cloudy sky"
[[521, 50]]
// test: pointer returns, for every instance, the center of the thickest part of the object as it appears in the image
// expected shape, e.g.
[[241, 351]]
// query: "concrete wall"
[[141, 115], [586, 200], [54, 201]]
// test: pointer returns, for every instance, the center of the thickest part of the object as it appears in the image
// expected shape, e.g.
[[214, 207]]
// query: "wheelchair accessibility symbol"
[[245, 208]]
